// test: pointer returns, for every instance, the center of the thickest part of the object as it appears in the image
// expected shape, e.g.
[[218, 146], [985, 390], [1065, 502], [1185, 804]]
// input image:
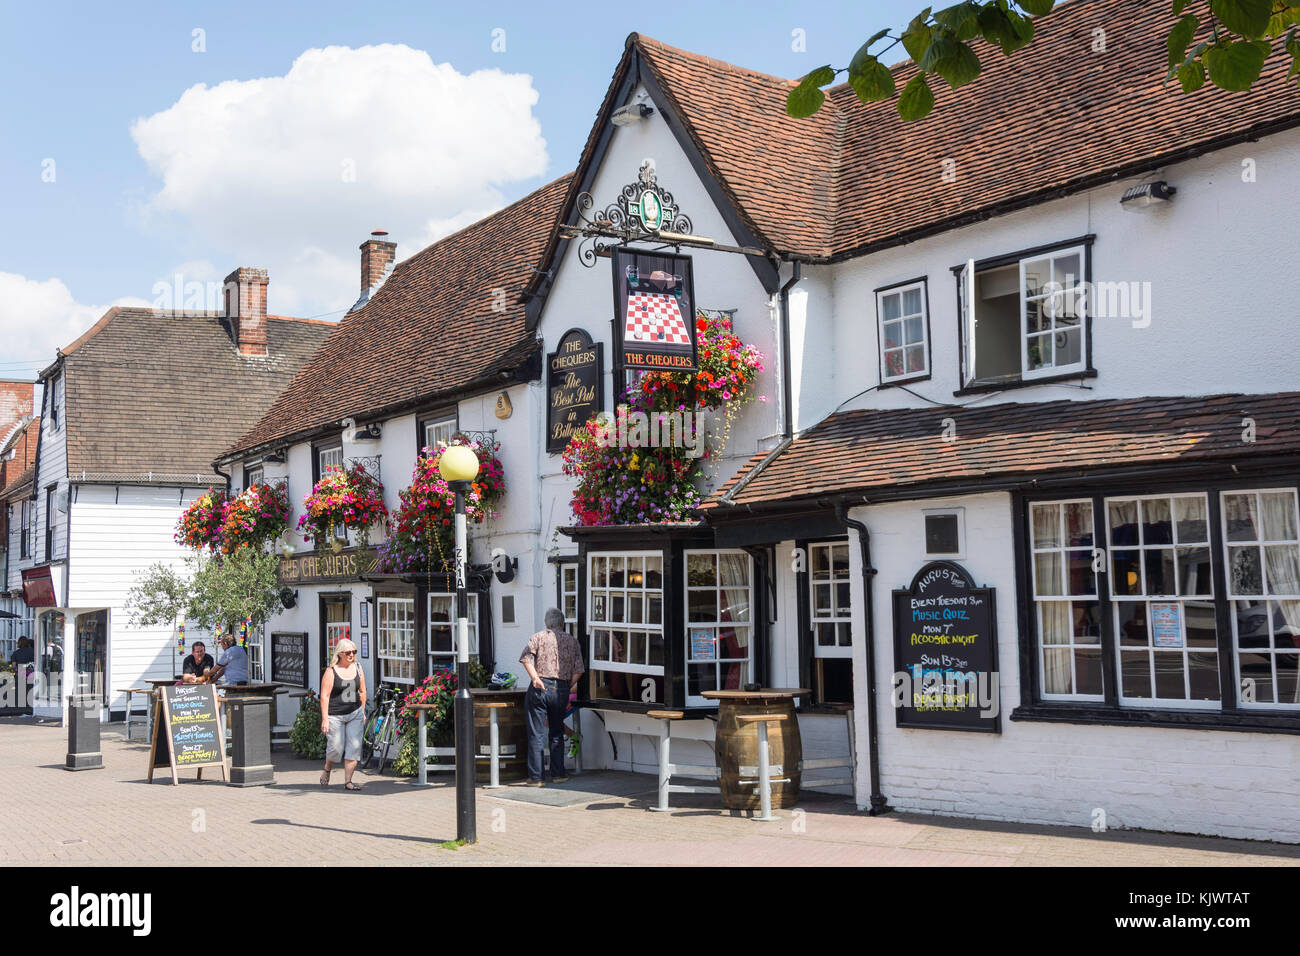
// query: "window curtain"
[[1056, 658]]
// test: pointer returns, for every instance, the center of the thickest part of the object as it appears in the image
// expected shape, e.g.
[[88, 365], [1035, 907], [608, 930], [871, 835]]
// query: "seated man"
[[196, 665], [232, 663]]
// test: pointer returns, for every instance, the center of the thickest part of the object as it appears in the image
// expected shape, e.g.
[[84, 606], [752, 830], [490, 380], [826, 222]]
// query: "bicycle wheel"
[[368, 735], [385, 742]]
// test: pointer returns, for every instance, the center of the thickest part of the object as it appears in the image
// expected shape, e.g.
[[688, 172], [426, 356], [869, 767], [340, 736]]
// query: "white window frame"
[[444, 660], [566, 592], [382, 649], [255, 656], [450, 425], [689, 625], [901, 321], [960, 514], [968, 315], [838, 617], [329, 450], [1266, 594], [1036, 599], [604, 624], [1117, 600], [254, 474]]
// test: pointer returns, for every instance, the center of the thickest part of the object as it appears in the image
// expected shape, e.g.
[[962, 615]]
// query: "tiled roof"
[[1054, 117], [155, 391], [17, 470], [903, 453], [446, 319]]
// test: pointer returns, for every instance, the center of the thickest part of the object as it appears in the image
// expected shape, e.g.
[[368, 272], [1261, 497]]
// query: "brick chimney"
[[246, 309], [17, 399], [377, 255]]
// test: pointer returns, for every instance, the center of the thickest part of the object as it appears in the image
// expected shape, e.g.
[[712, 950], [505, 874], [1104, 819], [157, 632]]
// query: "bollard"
[[494, 751], [83, 733], [250, 731]]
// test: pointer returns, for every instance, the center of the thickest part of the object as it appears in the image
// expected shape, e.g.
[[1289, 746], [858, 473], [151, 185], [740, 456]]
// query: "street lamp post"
[[459, 466]]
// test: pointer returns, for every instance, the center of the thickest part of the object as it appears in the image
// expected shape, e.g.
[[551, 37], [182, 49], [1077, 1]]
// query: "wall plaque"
[[574, 390]]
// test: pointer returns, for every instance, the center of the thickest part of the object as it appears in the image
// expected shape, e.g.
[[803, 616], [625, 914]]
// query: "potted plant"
[[255, 517], [199, 525]]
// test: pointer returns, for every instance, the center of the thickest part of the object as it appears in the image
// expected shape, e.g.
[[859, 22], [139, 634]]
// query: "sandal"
[[350, 786], [325, 779]]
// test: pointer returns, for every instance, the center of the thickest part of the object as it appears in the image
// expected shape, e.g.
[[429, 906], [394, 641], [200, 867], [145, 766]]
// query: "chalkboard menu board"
[[187, 730], [574, 391], [289, 658], [945, 652]]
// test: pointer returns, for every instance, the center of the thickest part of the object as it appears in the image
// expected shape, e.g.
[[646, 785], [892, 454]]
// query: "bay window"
[[1262, 554], [1155, 629], [719, 626], [625, 618]]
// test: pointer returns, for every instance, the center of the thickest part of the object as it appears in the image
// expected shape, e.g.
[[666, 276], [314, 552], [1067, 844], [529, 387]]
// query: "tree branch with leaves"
[[1239, 37]]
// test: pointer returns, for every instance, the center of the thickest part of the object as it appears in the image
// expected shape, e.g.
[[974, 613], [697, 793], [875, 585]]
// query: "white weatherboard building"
[[980, 351], [125, 445]]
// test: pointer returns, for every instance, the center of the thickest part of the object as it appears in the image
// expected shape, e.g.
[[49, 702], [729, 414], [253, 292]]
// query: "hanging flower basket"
[[650, 485], [199, 525], [255, 517], [422, 529], [345, 498]]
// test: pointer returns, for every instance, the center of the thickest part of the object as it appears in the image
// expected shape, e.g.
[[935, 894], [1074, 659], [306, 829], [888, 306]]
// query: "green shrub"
[[304, 736]]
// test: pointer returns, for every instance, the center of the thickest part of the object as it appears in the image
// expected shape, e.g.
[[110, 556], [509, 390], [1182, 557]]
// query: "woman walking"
[[342, 713]]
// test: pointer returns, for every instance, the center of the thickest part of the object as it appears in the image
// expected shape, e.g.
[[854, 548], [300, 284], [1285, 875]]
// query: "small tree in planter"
[[344, 498], [422, 529]]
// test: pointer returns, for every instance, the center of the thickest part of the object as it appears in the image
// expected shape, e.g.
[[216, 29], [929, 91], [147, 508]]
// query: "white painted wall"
[[1221, 321], [1156, 778]]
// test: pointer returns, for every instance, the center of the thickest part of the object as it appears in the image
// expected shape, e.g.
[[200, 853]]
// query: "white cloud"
[[39, 317], [292, 172]]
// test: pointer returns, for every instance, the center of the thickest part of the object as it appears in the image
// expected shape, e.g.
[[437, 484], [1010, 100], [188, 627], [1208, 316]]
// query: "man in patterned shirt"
[[553, 660]]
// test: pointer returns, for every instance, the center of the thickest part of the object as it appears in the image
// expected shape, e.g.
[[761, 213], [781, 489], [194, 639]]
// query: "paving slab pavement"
[[113, 816]]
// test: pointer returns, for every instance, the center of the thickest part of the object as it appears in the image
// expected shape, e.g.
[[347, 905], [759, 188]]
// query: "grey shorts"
[[343, 742]]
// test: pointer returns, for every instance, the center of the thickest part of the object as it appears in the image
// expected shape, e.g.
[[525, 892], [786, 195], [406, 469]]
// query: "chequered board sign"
[[655, 319]]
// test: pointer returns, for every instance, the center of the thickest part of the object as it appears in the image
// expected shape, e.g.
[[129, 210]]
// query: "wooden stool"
[[130, 700], [667, 768], [494, 742], [764, 762]]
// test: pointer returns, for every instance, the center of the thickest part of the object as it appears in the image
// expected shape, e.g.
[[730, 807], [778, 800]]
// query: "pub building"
[[1015, 529]]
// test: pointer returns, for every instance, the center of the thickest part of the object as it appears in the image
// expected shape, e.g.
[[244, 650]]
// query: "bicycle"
[[380, 731]]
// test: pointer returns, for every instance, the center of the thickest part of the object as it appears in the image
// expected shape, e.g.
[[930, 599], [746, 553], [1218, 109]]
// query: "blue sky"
[[79, 76]]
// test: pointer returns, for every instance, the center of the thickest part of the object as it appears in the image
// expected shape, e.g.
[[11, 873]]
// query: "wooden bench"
[[667, 768]]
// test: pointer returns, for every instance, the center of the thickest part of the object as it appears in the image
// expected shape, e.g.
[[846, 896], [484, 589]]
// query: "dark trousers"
[[545, 709]]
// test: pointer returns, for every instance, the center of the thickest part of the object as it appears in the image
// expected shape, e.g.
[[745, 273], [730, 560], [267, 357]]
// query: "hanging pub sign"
[[945, 652], [573, 387], [654, 311]]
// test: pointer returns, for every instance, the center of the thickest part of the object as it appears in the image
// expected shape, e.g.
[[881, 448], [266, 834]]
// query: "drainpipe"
[[878, 804], [788, 425]]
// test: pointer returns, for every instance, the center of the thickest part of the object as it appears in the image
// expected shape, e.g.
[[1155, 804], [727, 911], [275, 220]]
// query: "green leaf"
[[873, 81], [1278, 23], [1037, 8], [951, 59], [806, 98], [878, 35], [1249, 18], [1236, 66], [917, 100], [1180, 6], [916, 39], [961, 19], [1179, 37], [1191, 75]]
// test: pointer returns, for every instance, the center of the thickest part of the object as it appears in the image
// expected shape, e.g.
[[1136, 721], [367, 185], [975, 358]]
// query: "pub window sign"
[[654, 301]]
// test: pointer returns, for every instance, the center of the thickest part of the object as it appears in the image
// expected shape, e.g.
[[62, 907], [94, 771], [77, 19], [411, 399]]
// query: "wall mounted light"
[[631, 114], [1147, 194]]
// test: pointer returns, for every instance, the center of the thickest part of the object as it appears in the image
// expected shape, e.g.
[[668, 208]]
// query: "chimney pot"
[[246, 309]]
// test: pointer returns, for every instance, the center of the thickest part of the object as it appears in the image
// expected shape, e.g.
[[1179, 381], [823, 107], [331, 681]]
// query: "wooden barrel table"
[[512, 734], [737, 746]]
